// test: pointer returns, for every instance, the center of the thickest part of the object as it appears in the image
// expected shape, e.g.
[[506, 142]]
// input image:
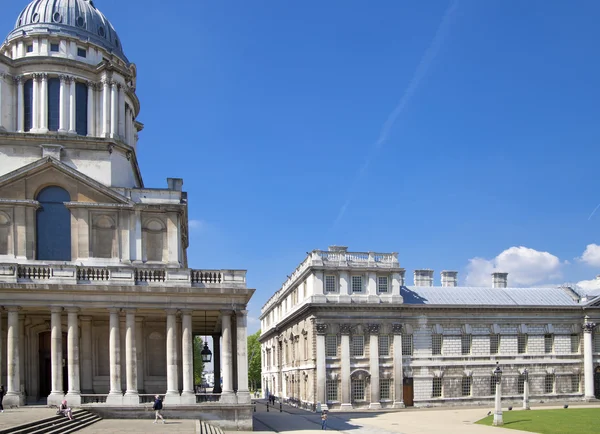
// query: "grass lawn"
[[559, 421]]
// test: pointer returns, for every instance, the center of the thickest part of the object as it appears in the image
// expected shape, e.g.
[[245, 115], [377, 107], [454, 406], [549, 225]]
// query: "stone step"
[[206, 428], [56, 424]]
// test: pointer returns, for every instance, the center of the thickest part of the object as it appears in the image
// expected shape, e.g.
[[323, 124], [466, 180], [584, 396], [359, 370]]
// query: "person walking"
[[324, 420], [157, 407], [2, 392]]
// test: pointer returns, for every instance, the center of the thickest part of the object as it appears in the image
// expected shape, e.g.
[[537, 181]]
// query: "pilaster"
[[345, 330], [398, 374], [115, 395], [13, 396], [56, 352], [588, 363], [321, 330], [374, 365], [74, 392]]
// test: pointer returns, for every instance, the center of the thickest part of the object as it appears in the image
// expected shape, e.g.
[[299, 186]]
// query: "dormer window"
[[54, 48], [81, 52]]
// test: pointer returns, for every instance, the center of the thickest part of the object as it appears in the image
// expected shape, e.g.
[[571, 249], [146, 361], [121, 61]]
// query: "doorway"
[[45, 364], [407, 390]]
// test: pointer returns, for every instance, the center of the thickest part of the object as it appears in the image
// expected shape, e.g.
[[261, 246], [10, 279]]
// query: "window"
[[548, 343], [5, 234], [104, 240], [407, 345], [358, 389], [28, 104], [521, 344], [358, 346], [549, 383], [53, 104], [521, 384], [53, 225], [465, 344], [331, 389], [436, 389], [384, 345], [436, 344], [330, 284], [575, 382], [596, 342], [574, 343], [153, 242], [493, 382], [30, 48], [81, 103], [357, 284], [494, 343], [382, 284], [81, 52], [331, 345], [466, 386], [384, 389], [54, 48]]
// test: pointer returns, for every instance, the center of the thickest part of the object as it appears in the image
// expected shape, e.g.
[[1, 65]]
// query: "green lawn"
[[560, 421]]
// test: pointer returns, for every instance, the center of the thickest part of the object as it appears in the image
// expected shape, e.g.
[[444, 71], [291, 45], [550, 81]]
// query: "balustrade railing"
[[34, 272], [93, 273], [207, 397], [93, 398], [150, 275], [206, 276], [146, 398]]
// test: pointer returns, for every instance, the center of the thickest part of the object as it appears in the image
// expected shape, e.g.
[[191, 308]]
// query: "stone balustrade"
[[119, 275]]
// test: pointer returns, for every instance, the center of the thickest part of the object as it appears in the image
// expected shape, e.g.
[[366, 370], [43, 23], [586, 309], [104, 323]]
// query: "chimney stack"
[[449, 278], [499, 280], [423, 277]]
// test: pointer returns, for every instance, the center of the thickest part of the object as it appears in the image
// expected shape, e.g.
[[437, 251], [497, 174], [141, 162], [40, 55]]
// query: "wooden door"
[[408, 394]]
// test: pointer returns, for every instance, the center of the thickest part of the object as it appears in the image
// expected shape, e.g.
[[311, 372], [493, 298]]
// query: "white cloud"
[[196, 225], [525, 267], [589, 284], [591, 255]]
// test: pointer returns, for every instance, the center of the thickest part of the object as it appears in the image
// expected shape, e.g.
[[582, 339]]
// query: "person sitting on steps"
[[65, 410]]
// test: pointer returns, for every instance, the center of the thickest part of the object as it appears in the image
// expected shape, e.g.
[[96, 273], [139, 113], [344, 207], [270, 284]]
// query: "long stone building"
[[98, 303], [346, 331]]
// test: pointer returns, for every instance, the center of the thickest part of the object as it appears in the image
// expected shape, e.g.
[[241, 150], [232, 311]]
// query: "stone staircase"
[[56, 424], [206, 428]]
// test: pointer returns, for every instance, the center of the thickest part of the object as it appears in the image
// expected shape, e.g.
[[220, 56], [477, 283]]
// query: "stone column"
[[56, 354], [217, 362], [172, 395], [227, 393], [374, 365], [121, 109], [526, 390], [131, 394], [43, 128], [87, 385], [113, 108], [187, 396], [91, 105], [2, 128], [1, 348], [20, 105], [72, 108], [23, 354], [398, 374], [13, 374], [74, 392], [345, 368], [62, 118], [243, 393], [321, 365], [115, 395], [588, 363], [498, 404], [35, 104], [105, 108], [139, 346]]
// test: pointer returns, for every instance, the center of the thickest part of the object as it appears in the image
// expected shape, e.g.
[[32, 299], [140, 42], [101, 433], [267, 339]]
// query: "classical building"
[[345, 331], [98, 302]]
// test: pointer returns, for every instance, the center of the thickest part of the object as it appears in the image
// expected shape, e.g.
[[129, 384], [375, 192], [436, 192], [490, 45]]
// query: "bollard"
[[267, 407], [280, 410]]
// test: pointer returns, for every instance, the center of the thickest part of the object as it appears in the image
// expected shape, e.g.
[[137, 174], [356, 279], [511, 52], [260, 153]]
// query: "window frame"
[[437, 387], [495, 343], [386, 347], [356, 278], [332, 389], [548, 343], [435, 350], [522, 341], [328, 347], [356, 385], [55, 44], [329, 277], [466, 385], [360, 341], [385, 385], [466, 344], [383, 287], [81, 50], [407, 345]]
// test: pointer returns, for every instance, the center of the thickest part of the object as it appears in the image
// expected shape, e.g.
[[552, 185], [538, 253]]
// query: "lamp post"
[[526, 389], [498, 408]]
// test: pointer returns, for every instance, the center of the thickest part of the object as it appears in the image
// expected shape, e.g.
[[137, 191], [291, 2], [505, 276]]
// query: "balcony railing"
[[207, 397]]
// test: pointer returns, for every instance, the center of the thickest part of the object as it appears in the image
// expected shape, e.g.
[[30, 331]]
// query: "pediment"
[[25, 182]]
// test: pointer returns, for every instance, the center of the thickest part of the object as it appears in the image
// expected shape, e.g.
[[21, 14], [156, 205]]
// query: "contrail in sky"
[[413, 85], [593, 212]]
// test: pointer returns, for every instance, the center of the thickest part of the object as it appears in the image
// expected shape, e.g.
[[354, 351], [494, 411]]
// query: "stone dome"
[[72, 18]]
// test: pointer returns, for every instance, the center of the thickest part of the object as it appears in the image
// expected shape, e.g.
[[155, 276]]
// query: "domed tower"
[[67, 90]]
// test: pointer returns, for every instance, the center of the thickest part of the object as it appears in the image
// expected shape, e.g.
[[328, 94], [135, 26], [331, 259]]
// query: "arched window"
[[81, 104], [153, 240], [53, 225], [28, 104], [53, 104], [103, 240], [5, 234]]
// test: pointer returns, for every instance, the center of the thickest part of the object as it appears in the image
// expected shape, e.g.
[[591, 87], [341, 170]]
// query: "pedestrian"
[[157, 407], [65, 410], [2, 393], [324, 420]]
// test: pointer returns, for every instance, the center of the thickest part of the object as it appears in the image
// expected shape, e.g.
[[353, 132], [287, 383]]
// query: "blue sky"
[[452, 132]]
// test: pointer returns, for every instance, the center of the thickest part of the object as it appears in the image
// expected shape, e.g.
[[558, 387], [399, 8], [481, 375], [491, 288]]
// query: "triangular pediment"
[[25, 182]]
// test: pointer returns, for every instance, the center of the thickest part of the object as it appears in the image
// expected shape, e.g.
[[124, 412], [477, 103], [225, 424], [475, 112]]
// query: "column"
[[105, 107], [345, 368], [398, 374], [44, 104], [178, 341], [1, 348], [35, 105], [20, 105], [243, 393], [321, 365], [13, 374], [227, 393], [217, 362], [172, 395], [56, 355], [187, 349], [23, 355], [87, 385], [72, 108], [131, 394], [62, 121], [113, 108], [2, 128], [121, 111], [139, 347], [91, 105], [588, 365], [374, 365], [115, 395], [74, 392]]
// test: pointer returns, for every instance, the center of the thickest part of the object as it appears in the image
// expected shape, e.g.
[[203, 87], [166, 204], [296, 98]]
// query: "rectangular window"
[[596, 342], [330, 284], [407, 345], [53, 104], [331, 345], [465, 344], [521, 384], [466, 386], [384, 389], [28, 104], [81, 52], [357, 284], [494, 343], [358, 346], [81, 102], [548, 343], [575, 343], [549, 383], [358, 390], [382, 284], [436, 344], [436, 389], [331, 387], [522, 344], [30, 48], [384, 345], [575, 382], [54, 48]]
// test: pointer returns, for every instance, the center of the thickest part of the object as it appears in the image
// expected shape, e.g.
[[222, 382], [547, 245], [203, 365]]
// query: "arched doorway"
[[597, 382], [45, 364]]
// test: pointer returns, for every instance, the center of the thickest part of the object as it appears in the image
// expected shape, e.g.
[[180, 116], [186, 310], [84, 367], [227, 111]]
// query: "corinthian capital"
[[321, 328], [588, 327], [373, 329], [397, 329], [345, 329]]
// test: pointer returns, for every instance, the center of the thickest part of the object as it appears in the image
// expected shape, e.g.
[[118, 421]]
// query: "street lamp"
[[206, 354], [526, 389], [498, 408]]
